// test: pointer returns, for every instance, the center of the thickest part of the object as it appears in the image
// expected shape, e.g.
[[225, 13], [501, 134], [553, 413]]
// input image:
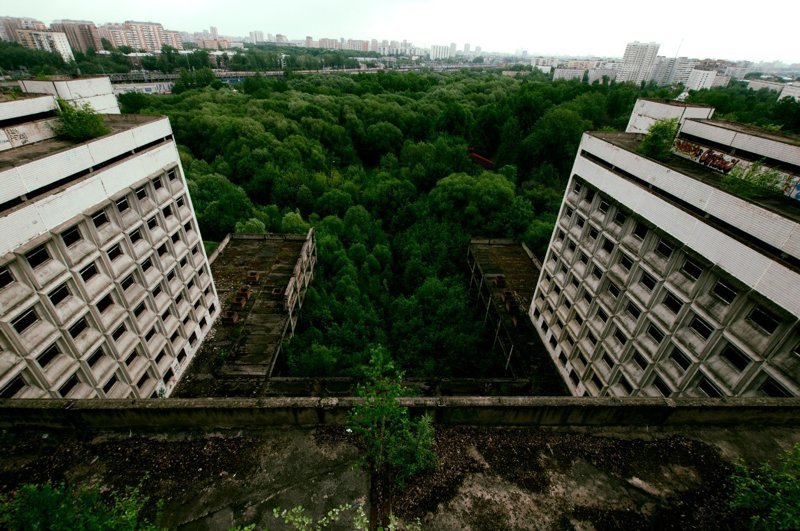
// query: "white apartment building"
[[597, 74], [568, 74], [658, 281], [669, 70], [758, 84], [105, 288], [701, 79], [147, 36], [790, 91], [637, 62], [119, 35], [663, 70], [439, 52], [683, 68], [48, 41]]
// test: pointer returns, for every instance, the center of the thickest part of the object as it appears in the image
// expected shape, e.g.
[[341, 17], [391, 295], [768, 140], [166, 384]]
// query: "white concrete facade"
[[97, 92], [790, 91], [700, 79], [105, 287], [568, 74], [439, 52], [647, 112], [656, 283], [597, 74], [758, 84], [48, 41]]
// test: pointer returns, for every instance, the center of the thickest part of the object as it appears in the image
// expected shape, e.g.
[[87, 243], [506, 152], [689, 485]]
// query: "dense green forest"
[[380, 166]]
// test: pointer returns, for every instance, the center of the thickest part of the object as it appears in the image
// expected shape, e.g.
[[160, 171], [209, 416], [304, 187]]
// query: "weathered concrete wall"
[[226, 413]]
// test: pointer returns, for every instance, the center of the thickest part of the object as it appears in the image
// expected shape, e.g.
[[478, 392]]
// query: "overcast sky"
[[765, 31]]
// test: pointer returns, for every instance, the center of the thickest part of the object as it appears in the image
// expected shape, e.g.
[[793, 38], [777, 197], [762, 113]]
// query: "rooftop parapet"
[[647, 112], [727, 147]]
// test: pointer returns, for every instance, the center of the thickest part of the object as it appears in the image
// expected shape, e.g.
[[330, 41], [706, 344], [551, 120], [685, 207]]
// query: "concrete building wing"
[[96, 92], [700, 79], [82, 34], [568, 73], [660, 281], [105, 289], [646, 112], [262, 282]]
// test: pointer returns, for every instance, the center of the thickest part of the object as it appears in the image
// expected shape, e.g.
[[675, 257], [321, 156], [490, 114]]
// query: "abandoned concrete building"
[[656, 282], [105, 287], [261, 281], [663, 280]]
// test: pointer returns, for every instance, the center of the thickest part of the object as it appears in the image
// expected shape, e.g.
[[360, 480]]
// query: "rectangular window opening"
[[5, 277], [71, 236], [764, 320], [59, 294], [38, 256], [702, 328], [648, 281], [680, 359], [48, 356], [25, 321], [100, 218], [76, 329], [724, 292], [692, 269], [123, 205], [735, 357], [664, 249]]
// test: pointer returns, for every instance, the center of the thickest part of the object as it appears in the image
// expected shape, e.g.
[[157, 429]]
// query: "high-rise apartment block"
[[105, 288], [669, 70], [10, 25], [147, 36], [701, 79], [439, 52], [568, 73], [637, 62], [48, 41], [662, 280], [81, 34]]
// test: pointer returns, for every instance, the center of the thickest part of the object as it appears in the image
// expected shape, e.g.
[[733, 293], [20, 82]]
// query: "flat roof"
[[676, 103], [218, 464], [16, 95], [508, 271], [250, 345], [507, 258], [777, 136], [778, 204], [22, 155]]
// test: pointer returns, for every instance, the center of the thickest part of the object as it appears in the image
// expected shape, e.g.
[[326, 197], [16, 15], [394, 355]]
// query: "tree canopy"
[[379, 164]]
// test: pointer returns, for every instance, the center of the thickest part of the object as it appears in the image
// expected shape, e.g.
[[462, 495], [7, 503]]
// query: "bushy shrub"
[[79, 123], [62, 508], [771, 496], [658, 141]]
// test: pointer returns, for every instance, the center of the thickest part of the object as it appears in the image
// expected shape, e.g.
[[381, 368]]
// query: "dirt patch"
[[488, 477]]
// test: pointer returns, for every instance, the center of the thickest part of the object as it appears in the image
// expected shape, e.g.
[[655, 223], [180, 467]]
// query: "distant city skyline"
[[709, 29]]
